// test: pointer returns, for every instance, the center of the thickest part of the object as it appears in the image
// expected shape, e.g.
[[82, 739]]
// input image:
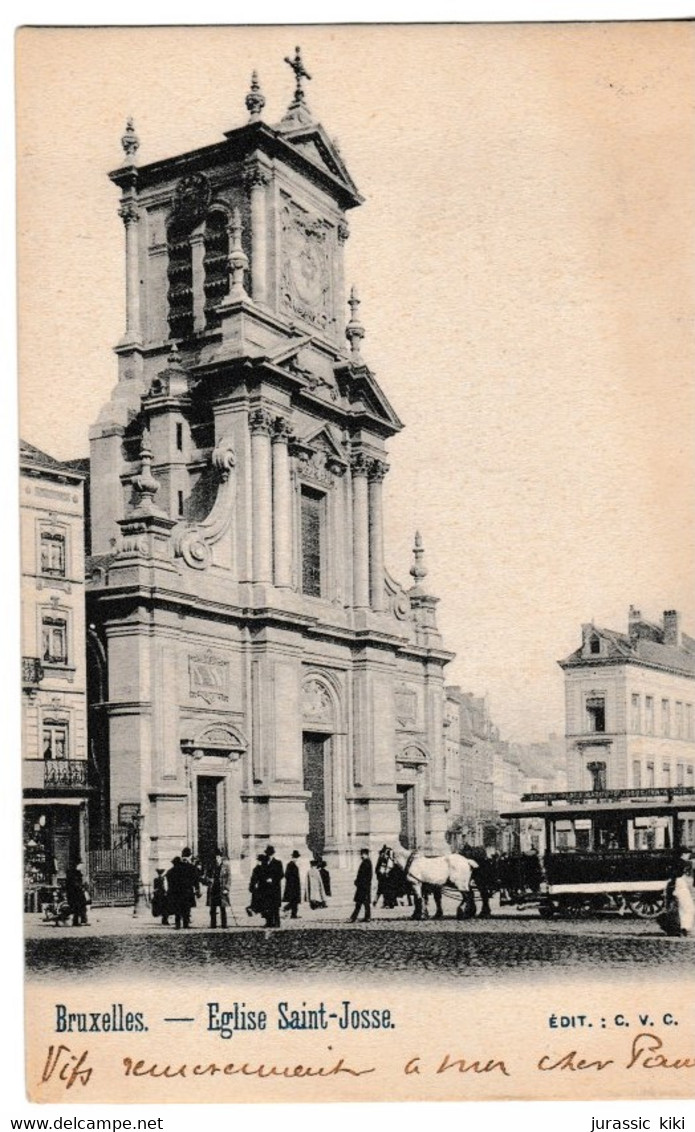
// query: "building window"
[[637, 774], [54, 640], [313, 523], [55, 740], [680, 774], [596, 713], [666, 774], [598, 775], [649, 714], [180, 276], [216, 264], [636, 719], [689, 721], [689, 776], [179, 436], [665, 718], [679, 720], [650, 775], [180, 503], [594, 646], [52, 554]]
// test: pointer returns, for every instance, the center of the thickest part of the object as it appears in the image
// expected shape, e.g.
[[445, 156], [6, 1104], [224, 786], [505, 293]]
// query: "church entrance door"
[[315, 748], [406, 806], [210, 818]]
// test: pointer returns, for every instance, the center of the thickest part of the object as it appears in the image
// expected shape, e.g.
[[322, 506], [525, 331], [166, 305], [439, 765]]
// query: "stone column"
[[360, 531], [282, 504], [257, 177], [377, 472], [198, 273], [261, 424], [129, 215]]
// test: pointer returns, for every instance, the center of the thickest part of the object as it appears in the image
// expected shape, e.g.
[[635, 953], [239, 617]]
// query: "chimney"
[[672, 629]]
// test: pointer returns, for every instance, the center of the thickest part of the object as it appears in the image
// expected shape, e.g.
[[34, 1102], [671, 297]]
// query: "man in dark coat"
[[219, 888], [293, 886], [76, 895], [271, 882], [256, 887], [160, 899], [182, 886], [363, 887]]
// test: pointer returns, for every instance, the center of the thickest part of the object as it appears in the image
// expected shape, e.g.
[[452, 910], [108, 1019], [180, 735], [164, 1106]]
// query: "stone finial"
[[145, 485], [298, 111], [174, 358], [255, 99], [238, 260], [354, 331], [418, 570], [130, 143]]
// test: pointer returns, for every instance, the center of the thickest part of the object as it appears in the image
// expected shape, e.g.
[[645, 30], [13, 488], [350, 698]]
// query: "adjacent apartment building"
[[54, 764], [629, 706]]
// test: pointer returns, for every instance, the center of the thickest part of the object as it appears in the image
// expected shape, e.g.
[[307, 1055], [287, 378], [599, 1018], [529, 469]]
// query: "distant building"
[[629, 706], [54, 763]]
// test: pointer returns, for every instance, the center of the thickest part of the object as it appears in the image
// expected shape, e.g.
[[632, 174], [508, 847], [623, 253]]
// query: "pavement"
[[512, 944]]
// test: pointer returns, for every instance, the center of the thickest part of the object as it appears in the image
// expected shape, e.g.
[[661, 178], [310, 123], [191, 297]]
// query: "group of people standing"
[[306, 881], [176, 891]]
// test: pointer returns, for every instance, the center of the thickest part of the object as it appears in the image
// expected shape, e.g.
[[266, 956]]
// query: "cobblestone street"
[[513, 944]]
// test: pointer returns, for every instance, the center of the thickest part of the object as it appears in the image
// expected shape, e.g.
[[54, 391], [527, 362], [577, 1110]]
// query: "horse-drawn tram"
[[611, 849]]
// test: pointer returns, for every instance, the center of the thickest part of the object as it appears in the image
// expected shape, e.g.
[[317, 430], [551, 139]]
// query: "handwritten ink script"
[[645, 1052]]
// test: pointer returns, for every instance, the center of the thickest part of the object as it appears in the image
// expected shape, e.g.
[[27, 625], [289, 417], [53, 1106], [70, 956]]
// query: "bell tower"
[[237, 571]]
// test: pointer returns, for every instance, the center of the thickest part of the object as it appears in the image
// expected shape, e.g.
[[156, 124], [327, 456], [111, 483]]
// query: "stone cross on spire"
[[298, 111]]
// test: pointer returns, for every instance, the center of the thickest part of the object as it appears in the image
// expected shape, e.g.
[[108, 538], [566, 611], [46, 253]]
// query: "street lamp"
[[137, 821]]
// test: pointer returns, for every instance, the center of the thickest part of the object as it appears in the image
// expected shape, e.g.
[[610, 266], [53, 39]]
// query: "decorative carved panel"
[[209, 678], [317, 706], [306, 267], [406, 707]]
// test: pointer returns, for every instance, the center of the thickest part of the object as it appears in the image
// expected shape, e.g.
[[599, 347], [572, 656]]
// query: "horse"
[[453, 872]]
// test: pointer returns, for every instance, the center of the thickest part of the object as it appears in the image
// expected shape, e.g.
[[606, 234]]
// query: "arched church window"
[[180, 276], [216, 264]]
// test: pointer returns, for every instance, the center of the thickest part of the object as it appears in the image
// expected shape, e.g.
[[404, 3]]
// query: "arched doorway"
[[321, 779], [215, 792], [410, 768]]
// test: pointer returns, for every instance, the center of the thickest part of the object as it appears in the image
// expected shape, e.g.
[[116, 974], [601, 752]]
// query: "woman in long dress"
[[316, 893]]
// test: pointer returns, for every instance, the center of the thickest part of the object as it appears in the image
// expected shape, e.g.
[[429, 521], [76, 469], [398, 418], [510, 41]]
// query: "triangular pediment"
[[314, 143], [366, 395], [323, 440]]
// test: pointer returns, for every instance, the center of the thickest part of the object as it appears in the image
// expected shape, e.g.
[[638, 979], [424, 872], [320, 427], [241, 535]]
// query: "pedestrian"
[[255, 906], [363, 887], [76, 895], [160, 900], [316, 893], [325, 875], [293, 885], [271, 883], [182, 880], [195, 871], [219, 888], [303, 867]]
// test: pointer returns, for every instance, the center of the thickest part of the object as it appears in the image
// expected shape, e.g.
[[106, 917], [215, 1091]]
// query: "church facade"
[[257, 674]]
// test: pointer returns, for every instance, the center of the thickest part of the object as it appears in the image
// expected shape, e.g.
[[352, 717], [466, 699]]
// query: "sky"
[[524, 263]]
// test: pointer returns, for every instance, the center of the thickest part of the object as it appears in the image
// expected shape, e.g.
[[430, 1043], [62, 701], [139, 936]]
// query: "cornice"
[[619, 661], [238, 144]]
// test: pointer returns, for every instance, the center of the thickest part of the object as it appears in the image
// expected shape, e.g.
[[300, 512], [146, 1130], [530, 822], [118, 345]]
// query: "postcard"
[[358, 633]]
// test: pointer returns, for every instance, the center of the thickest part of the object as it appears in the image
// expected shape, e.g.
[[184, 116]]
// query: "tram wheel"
[[647, 905], [574, 906], [546, 911]]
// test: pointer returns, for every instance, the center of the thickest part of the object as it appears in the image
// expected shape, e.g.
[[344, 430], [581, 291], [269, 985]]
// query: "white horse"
[[452, 871]]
